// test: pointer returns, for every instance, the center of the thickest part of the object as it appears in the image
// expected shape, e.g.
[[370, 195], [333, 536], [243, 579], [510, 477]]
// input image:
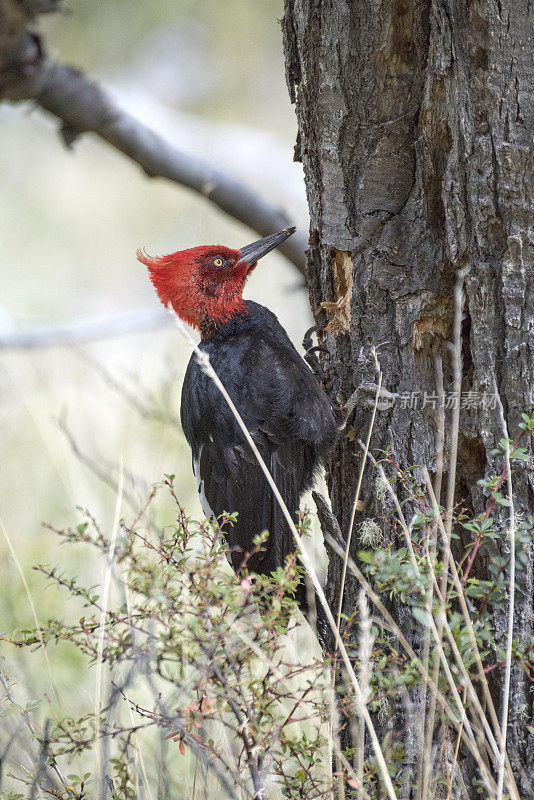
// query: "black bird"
[[290, 418]]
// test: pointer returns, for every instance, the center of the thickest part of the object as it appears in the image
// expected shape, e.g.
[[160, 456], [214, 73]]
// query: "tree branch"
[[26, 73], [80, 331]]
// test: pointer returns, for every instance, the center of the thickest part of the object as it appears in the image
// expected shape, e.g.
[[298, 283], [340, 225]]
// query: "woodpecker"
[[288, 415]]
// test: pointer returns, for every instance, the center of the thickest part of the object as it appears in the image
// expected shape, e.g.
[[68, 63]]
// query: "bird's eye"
[[218, 261]]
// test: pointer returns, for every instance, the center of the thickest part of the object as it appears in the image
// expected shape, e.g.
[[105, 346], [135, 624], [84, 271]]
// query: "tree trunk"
[[415, 132]]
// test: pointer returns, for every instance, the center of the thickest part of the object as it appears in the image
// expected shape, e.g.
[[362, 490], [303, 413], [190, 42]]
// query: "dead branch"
[[26, 73], [81, 331]]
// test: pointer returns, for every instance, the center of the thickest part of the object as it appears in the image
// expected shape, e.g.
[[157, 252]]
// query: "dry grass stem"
[[366, 668], [32, 607], [137, 745], [398, 509], [425, 760], [304, 557], [99, 766], [469, 740], [469, 625], [511, 605], [356, 499]]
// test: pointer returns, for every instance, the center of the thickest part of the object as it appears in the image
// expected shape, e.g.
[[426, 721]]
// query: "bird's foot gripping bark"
[[311, 350], [367, 394]]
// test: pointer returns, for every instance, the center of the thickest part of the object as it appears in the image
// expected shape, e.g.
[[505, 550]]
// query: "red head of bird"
[[205, 284]]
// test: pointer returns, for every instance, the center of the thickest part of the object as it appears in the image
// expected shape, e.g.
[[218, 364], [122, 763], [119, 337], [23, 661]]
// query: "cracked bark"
[[415, 132]]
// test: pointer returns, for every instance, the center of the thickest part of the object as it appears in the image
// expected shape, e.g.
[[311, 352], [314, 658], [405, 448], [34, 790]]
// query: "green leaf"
[[528, 423], [422, 616]]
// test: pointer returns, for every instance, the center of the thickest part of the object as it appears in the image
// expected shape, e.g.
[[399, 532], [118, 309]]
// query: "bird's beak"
[[252, 253]]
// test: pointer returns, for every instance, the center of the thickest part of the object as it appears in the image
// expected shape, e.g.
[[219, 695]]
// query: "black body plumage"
[[288, 415]]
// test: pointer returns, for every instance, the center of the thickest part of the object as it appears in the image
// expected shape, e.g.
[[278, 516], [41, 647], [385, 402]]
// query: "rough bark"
[[415, 131]]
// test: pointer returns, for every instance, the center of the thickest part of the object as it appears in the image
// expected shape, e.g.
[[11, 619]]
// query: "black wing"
[[292, 424]]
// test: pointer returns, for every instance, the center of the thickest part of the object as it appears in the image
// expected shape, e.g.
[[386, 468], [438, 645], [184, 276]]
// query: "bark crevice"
[[416, 129]]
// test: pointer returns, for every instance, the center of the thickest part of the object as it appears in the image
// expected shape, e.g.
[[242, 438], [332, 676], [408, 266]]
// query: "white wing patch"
[[200, 486]]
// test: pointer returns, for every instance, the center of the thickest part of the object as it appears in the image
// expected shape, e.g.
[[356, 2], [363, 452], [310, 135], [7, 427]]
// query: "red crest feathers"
[[162, 271], [199, 289]]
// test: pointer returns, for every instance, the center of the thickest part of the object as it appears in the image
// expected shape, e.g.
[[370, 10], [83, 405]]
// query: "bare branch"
[[26, 73], [80, 331]]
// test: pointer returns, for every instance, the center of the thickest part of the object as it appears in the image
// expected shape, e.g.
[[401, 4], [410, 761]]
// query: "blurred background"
[[210, 78]]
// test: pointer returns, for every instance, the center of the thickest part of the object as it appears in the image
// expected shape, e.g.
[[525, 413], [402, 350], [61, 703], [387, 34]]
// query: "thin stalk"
[[366, 667], [454, 760], [451, 478], [430, 719], [459, 661], [34, 732], [511, 604], [359, 743], [457, 390], [469, 625], [32, 606], [304, 557], [442, 622], [356, 501], [98, 677], [466, 734], [139, 752], [425, 741]]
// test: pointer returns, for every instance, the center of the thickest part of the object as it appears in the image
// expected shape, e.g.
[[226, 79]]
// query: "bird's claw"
[[317, 349], [310, 356], [307, 341], [367, 394]]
